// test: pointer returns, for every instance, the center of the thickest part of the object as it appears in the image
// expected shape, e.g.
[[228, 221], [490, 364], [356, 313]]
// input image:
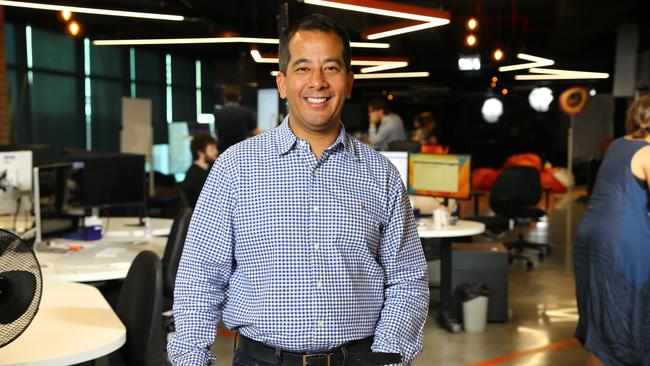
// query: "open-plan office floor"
[[542, 303]]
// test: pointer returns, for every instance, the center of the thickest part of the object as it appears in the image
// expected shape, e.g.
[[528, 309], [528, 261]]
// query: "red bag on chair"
[[483, 179], [526, 159]]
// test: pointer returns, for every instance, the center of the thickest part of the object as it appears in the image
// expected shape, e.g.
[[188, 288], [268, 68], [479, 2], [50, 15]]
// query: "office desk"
[[106, 259], [74, 324], [462, 228]]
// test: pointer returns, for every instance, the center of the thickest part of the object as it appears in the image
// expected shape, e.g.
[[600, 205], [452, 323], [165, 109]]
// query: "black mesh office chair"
[[182, 196], [174, 249], [139, 307], [404, 145], [514, 196]]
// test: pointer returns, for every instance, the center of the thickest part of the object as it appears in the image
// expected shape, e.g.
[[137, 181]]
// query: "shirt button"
[[319, 284], [316, 246], [316, 208], [321, 323]]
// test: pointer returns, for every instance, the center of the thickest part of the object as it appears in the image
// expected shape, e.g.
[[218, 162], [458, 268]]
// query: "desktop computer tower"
[[481, 263]]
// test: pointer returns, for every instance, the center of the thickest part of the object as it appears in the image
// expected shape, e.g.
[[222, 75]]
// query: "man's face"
[[210, 153], [375, 116], [316, 83]]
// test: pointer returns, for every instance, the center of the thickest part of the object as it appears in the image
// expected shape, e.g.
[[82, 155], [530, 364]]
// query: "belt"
[[345, 355]]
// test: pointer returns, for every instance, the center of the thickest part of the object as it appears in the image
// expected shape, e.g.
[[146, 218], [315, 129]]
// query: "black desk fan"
[[21, 286]]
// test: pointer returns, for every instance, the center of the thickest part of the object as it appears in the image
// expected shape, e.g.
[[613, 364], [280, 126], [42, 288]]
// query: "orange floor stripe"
[[515, 356]]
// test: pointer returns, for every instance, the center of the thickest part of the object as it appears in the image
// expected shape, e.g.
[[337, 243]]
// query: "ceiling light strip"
[[536, 62], [386, 75], [273, 59], [369, 45], [389, 66], [569, 72], [257, 56], [393, 32], [393, 75], [385, 8], [559, 77], [96, 11], [171, 41]]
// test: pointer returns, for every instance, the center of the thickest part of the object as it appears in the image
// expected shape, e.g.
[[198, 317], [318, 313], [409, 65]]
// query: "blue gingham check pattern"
[[301, 254]]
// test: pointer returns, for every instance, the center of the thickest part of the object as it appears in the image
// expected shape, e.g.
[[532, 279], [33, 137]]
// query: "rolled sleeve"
[[205, 269]]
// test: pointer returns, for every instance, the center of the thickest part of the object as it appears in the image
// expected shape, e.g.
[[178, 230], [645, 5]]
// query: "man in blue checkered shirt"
[[303, 239]]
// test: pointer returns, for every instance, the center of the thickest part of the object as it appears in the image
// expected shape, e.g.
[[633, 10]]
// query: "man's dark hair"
[[377, 104], [314, 22], [231, 93], [200, 143]]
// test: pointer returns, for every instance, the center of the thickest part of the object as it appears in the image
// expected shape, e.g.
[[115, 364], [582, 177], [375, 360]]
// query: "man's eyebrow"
[[301, 61], [338, 61]]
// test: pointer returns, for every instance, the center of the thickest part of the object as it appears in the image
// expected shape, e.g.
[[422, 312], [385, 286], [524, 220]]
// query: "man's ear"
[[279, 81], [350, 83]]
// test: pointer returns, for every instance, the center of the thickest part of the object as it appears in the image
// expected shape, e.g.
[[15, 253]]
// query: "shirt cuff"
[[379, 347], [193, 360]]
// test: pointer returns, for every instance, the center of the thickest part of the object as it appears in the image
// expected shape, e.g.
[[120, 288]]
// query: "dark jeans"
[[240, 359]]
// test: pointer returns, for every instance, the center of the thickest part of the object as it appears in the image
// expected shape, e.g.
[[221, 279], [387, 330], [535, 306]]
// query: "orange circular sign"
[[574, 100]]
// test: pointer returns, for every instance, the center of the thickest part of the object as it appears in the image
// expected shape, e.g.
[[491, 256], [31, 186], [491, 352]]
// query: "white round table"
[[102, 260], [74, 324], [446, 234], [462, 228]]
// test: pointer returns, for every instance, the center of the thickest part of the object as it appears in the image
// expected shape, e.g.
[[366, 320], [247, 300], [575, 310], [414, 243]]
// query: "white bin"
[[475, 314]]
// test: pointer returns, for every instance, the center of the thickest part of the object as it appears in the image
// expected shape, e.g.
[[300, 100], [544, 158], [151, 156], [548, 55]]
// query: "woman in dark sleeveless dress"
[[612, 251]]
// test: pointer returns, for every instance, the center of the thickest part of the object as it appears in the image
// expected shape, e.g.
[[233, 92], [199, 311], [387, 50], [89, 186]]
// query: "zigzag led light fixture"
[[418, 17]]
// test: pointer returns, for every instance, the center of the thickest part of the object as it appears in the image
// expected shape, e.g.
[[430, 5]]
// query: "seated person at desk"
[[391, 128], [425, 129], [204, 154]]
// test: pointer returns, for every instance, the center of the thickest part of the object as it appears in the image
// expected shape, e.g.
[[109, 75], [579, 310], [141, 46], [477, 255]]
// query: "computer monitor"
[[57, 198], [42, 154], [439, 175], [401, 161], [195, 128], [15, 180], [111, 179]]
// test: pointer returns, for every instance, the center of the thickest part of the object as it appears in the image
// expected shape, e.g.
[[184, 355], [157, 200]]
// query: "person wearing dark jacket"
[[204, 154]]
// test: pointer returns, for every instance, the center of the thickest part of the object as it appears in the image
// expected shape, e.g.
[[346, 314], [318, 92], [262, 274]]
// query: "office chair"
[[514, 196], [139, 307], [174, 249], [171, 257], [404, 145], [182, 196]]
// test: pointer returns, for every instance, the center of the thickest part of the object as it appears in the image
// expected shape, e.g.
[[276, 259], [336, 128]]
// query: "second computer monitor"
[[401, 161], [439, 175], [112, 179]]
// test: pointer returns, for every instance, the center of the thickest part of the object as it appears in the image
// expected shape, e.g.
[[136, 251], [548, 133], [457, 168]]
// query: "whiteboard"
[[136, 136]]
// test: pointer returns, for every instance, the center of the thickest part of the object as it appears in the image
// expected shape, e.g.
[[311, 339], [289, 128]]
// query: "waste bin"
[[474, 297]]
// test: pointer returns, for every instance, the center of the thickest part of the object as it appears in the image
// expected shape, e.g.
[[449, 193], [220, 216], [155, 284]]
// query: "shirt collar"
[[286, 140]]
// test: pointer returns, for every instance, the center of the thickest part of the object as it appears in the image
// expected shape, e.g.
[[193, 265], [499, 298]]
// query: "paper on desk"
[[109, 253]]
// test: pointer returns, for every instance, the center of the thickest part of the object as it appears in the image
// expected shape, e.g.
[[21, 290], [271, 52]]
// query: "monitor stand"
[[142, 222]]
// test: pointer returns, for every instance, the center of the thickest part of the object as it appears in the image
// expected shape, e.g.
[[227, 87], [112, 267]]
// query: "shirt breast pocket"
[[361, 229]]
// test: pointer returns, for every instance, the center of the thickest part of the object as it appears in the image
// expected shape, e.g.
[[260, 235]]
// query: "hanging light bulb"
[[497, 55], [492, 109], [73, 28], [472, 23], [471, 40], [66, 15]]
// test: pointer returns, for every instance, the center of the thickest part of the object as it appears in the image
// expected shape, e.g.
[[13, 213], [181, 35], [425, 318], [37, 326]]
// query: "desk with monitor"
[[438, 176], [66, 194], [101, 260]]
